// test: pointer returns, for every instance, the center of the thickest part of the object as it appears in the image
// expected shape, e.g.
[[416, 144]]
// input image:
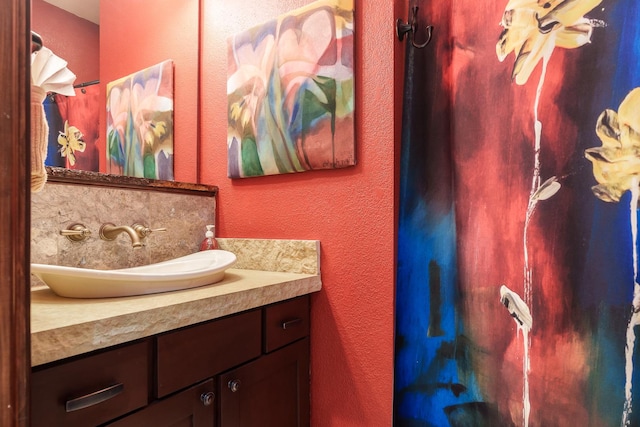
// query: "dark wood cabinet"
[[246, 370]]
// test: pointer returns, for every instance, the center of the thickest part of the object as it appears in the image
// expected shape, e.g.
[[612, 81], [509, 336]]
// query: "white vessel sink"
[[190, 271]]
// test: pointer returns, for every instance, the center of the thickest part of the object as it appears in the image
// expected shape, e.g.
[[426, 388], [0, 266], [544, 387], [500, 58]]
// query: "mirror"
[[105, 41]]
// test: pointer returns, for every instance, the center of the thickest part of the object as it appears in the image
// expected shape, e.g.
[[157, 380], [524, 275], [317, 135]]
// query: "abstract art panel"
[[140, 123], [74, 130], [518, 292], [290, 93]]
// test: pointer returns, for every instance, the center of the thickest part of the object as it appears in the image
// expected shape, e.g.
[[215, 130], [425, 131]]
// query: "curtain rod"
[[92, 82]]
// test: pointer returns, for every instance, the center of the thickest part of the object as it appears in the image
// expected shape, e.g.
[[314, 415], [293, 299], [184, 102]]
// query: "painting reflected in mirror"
[[72, 35], [104, 42]]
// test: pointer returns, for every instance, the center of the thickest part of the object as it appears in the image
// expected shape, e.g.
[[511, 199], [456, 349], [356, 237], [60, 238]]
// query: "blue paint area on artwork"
[[624, 16], [609, 270], [605, 392], [431, 349], [434, 383], [606, 285]]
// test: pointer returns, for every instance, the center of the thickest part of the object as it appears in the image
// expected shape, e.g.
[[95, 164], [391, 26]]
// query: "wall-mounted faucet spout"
[[110, 231]]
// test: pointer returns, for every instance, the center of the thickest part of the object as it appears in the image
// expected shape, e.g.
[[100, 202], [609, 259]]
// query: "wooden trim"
[[15, 199], [84, 178]]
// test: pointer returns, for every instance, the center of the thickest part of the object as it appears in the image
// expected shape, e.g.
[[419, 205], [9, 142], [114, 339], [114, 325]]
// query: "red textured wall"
[[70, 37], [351, 212], [134, 36]]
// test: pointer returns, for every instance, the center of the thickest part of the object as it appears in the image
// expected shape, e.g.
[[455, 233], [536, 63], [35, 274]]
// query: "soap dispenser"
[[209, 241]]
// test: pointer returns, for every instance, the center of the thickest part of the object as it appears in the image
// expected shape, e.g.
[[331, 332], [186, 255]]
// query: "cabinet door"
[[194, 407], [272, 391]]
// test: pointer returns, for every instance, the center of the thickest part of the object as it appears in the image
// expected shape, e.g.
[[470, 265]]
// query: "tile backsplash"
[[185, 216], [287, 256], [60, 205]]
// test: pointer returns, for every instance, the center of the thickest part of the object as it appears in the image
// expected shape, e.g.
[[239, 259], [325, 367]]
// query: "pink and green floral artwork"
[[290, 91], [140, 123]]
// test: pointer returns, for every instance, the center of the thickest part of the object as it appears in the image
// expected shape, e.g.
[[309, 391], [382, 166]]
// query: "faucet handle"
[[144, 231], [76, 232]]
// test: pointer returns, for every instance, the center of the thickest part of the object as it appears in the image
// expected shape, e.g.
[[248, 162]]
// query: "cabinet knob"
[[234, 385], [207, 398]]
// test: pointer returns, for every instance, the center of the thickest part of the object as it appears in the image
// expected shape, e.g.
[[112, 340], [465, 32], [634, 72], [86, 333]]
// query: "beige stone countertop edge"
[[65, 327]]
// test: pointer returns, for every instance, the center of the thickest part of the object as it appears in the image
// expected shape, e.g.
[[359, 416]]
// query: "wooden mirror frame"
[[79, 177], [15, 200]]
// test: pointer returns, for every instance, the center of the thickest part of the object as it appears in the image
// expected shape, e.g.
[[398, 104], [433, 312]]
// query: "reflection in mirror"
[[70, 31], [117, 39]]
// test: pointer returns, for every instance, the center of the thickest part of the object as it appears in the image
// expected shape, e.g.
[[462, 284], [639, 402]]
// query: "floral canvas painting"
[[140, 123], [290, 91]]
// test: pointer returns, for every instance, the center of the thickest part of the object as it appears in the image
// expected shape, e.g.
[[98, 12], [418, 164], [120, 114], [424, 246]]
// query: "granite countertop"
[[65, 327]]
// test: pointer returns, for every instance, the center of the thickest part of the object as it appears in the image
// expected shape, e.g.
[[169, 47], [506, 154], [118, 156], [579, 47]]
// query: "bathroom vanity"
[[226, 355]]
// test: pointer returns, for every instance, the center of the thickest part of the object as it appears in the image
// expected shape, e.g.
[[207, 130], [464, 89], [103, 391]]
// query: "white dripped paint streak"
[[535, 180], [521, 314], [635, 315], [531, 207], [526, 367]]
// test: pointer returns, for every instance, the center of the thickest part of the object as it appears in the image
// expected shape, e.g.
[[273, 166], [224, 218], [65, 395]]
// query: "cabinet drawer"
[[192, 407], [91, 390], [285, 322], [193, 354]]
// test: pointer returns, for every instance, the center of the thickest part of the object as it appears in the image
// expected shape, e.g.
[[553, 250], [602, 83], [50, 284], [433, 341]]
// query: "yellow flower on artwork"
[[532, 29], [70, 141], [617, 162]]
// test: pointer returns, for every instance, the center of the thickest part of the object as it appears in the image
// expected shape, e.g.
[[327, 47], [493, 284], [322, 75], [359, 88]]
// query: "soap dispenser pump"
[[209, 241]]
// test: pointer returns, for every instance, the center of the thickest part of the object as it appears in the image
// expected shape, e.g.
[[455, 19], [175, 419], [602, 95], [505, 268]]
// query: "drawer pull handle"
[[94, 398], [290, 323]]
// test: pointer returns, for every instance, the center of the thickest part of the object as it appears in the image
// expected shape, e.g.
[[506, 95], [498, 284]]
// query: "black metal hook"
[[36, 42], [403, 29]]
